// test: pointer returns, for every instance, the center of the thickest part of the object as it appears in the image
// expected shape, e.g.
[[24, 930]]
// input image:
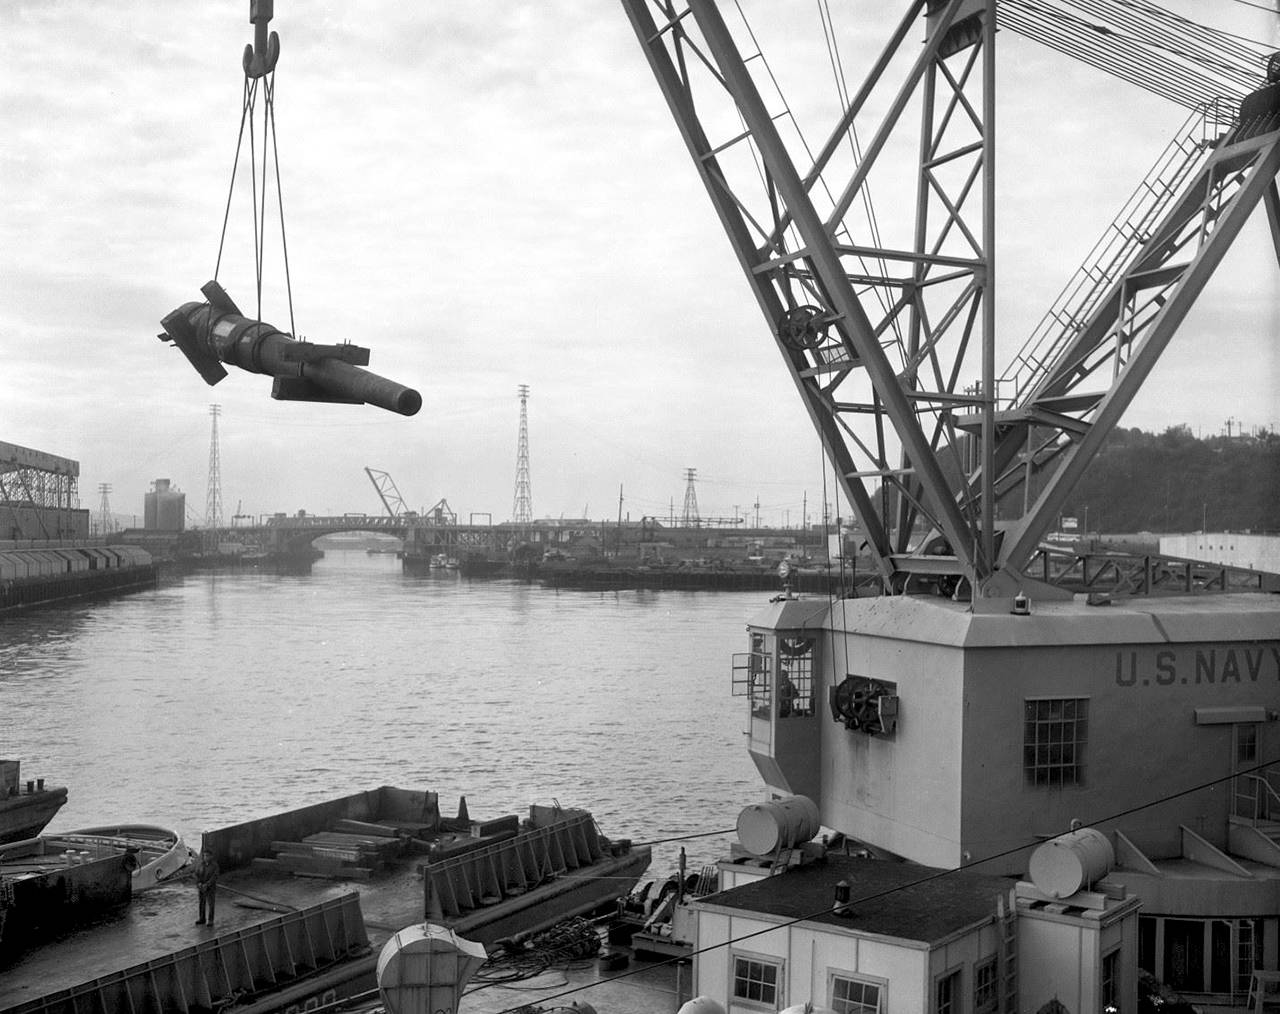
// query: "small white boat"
[[161, 852]]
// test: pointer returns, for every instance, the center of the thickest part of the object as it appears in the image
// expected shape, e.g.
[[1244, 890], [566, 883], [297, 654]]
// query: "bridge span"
[[423, 537]]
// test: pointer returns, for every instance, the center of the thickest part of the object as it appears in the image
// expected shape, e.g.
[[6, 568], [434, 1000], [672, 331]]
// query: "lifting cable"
[[785, 277], [259, 64], [855, 147], [1120, 37]]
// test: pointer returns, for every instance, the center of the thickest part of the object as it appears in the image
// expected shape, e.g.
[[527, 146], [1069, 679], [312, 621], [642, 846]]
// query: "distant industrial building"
[[46, 554], [39, 496], [1233, 549], [164, 508]]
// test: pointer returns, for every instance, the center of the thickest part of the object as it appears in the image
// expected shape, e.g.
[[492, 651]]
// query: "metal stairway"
[[1118, 245]]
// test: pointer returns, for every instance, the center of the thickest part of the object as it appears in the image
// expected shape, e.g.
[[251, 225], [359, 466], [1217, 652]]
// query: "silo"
[[165, 509]]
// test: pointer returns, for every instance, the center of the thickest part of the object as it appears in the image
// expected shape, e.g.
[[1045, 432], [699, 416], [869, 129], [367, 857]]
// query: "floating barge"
[[37, 573], [697, 578], [307, 898]]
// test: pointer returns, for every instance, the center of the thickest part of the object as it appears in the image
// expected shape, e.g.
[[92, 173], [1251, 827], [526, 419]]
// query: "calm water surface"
[[222, 697]]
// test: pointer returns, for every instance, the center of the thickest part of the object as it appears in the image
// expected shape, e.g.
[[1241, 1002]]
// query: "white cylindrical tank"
[[1071, 862], [763, 828], [701, 1005]]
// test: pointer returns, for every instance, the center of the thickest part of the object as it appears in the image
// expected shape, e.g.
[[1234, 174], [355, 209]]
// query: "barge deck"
[[302, 914]]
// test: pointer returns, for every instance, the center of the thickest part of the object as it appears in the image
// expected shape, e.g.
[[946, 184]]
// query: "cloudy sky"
[[486, 195]]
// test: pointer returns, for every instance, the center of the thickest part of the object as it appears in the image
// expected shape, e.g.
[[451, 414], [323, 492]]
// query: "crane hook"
[[260, 58]]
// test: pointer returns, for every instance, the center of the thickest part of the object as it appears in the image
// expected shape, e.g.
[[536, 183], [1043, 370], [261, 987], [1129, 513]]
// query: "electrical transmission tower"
[[213, 500], [690, 517], [522, 507], [104, 509]]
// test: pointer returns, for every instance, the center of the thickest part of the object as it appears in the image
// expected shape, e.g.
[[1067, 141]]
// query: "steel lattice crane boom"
[[387, 492], [893, 347]]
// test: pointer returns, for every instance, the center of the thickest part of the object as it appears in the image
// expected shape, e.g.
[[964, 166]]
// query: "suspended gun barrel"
[[210, 334]]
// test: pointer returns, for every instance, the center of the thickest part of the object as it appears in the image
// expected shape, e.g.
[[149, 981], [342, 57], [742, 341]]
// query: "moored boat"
[[152, 854], [24, 814], [160, 853]]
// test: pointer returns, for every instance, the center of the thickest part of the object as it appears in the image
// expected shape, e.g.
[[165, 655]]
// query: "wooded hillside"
[[1176, 482]]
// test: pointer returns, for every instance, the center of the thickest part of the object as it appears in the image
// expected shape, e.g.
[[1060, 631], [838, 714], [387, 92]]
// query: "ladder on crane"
[[1119, 243]]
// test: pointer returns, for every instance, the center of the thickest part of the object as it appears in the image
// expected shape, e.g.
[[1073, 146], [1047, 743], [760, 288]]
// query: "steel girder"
[[818, 285], [869, 333], [1124, 338], [387, 491]]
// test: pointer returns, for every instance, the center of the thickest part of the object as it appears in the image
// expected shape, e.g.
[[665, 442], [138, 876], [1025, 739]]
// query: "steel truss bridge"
[[424, 536]]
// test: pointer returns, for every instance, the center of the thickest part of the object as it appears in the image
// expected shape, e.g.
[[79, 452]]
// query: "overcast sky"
[[488, 194]]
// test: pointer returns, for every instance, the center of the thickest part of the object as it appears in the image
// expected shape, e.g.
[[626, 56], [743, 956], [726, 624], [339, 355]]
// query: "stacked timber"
[[349, 850]]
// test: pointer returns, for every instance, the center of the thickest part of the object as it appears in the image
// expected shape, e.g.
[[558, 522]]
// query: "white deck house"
[[913, 940]]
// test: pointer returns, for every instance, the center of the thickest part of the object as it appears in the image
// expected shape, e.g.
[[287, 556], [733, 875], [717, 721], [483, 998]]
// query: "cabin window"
[[985, 993], [854, 996], [795, 677], [946, 994], [1054, 735], [1246, 744], [756, 980], [1111, 980]]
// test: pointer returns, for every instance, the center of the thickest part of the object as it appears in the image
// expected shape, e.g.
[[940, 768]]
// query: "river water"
[[217, 698]]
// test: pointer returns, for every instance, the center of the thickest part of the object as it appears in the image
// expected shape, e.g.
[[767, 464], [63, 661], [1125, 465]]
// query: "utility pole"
[[618, 547], [213, 497], [757, 506], [522, 508]]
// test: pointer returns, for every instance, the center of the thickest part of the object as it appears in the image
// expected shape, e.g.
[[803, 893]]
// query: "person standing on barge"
[[206, 885]]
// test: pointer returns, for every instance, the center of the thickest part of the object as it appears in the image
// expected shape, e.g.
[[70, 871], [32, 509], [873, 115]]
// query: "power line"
[[685, 837], [1249, 3]]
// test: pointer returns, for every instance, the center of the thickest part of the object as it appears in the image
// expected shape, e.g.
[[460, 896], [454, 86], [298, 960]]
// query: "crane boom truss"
[[870, 332], [866, 330]]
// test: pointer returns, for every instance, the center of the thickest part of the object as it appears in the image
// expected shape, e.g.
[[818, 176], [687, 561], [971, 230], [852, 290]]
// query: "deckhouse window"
[[854, 996], [946, 994], [756, 980], [985, 996], [795, 677], [1110, 985], [1054, 734]]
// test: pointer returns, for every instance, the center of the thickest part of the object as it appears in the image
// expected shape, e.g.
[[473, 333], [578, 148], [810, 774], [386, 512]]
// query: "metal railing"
[[1255, 797], [751, 678], [1147, 574]]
